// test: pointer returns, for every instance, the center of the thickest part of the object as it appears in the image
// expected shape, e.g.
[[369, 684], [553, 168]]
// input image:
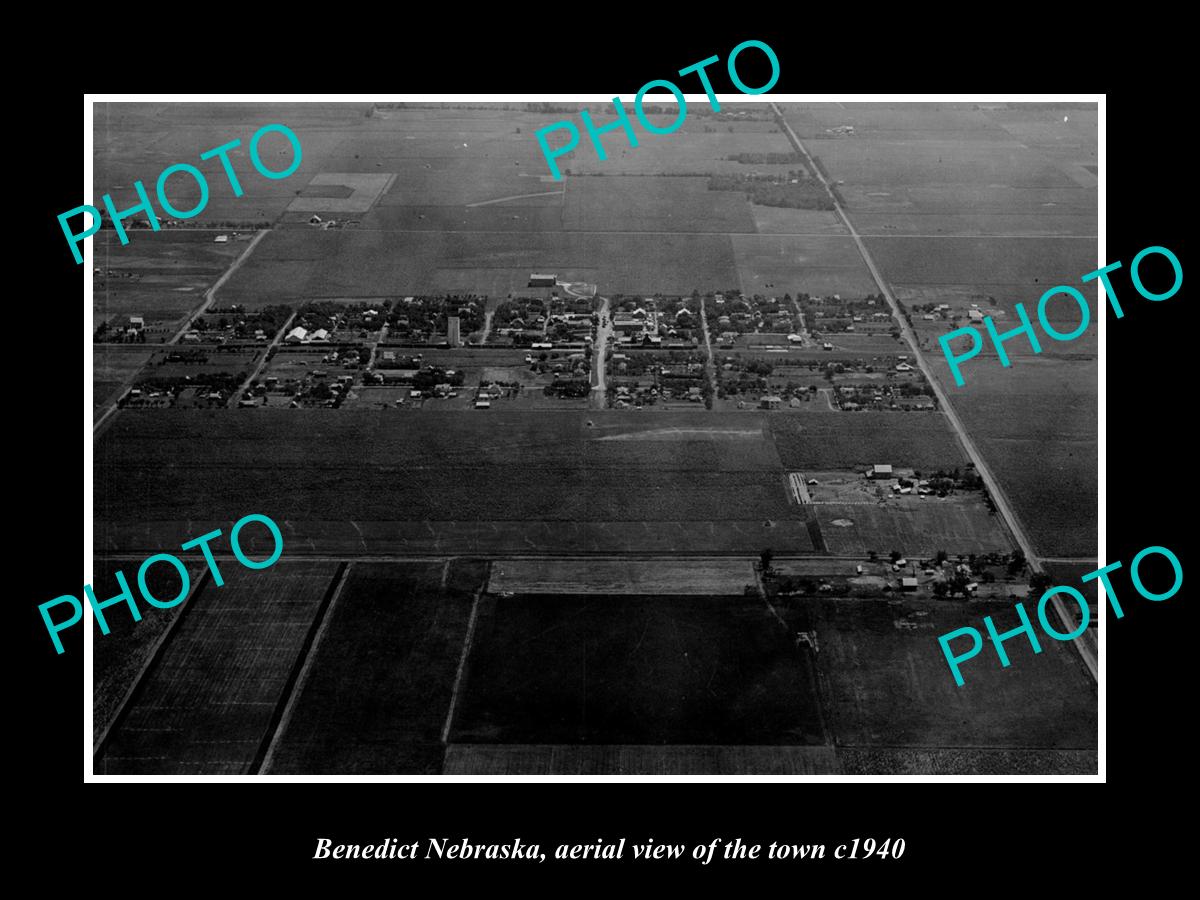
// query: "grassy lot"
[[380, 683]]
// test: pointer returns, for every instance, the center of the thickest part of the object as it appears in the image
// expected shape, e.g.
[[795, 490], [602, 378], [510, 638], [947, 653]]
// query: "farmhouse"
[[296, 335], [771, 401]]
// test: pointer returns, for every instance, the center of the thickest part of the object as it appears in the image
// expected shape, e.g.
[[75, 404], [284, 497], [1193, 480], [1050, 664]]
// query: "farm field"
[[136, 141], [113, 365], [813, 264], [956, 525], [862, 439], [118, 657], [626, 576], [653, 204], [889, 689], [629, 669], [580, 594], [690, 538], [953, 172], [160, 277], [302, 264], [380, 683], [637, 759], [628, 481], [206, 706], [1039, 409]]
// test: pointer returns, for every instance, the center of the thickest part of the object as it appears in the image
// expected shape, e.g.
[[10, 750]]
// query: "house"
[[539, 280], [974, 315], [627, 324], [827, 346], [319, 335], [296, 336], [908, 584], [770, 401], [795, 339], [880, 471], [136, 323], [904, 367]]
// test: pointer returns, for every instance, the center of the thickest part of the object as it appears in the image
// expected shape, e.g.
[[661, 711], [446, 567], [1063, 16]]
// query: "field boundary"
[[143, 676], [299, 674], [98, 742], [466, 651]]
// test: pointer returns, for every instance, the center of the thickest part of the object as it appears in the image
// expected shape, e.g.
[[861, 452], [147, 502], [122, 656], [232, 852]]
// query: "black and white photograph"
[[739, 436]]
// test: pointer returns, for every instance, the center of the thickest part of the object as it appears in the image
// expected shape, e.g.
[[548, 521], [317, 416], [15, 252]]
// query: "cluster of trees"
[[573, 387], [766, 159], [118, 336], [428, 314], [427, 378], [775, 190]]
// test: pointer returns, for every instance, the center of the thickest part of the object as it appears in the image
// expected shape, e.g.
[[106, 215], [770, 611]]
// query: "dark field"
[[469, 468], [632, 669], [891, 688], [207, 705], [863, 439], [118, 657], [379, 689]]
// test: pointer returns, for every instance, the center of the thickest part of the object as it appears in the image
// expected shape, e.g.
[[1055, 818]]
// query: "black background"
[[958, 835]]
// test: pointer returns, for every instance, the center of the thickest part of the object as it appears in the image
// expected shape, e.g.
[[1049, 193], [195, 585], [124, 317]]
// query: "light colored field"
[[598, 576], [365, 190], [823, 264], [635, 759]]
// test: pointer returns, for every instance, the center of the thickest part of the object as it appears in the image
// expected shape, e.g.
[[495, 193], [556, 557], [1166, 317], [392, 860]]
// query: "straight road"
[[233, 399], [710, 367], [209, 296], [1003, 506], [599, 352]]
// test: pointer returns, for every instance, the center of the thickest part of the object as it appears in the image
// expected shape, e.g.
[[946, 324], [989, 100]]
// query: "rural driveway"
[[1002, 503]]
